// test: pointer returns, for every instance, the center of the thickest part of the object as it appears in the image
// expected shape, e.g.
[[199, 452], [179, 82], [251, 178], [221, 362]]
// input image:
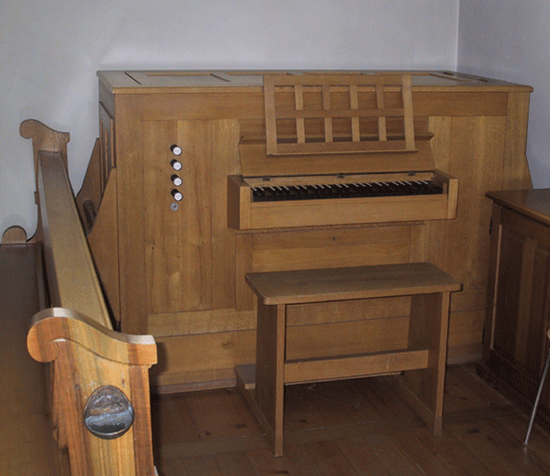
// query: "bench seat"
[[423, 361]]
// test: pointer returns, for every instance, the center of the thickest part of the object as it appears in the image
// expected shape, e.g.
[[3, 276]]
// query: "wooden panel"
[[357, 282], [349, 337], [103, 243], [303, 249], [327, 369], [200, 322], [224, 155], [202, 357], [256, 162], [187, 360], [466, 329], [244, 264], [316, 248], [270, 376], [178, 246], [348, 212], [472, 149], [516, 173], [479, 143], [458, 103], [72, 278], [200, 106], [520, 320], [130, 193], [322, 313], [518, 303]]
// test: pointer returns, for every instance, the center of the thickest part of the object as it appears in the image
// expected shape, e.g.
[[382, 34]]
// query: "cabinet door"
[[523, 296], [178, 229]]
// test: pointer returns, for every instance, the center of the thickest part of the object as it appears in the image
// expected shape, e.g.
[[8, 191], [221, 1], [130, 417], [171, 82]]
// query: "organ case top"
[[202, 176]]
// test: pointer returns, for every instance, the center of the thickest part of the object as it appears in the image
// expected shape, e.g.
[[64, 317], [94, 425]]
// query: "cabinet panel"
[[178, 232], [522, 300], [519, 297]]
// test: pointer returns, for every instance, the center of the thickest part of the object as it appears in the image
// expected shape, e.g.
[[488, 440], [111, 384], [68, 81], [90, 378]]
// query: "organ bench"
[[423, 361]]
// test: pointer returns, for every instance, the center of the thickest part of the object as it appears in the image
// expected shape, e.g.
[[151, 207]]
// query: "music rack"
[[327, 99]]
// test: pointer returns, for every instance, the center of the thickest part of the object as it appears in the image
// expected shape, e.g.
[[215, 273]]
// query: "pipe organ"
[[201, 177]]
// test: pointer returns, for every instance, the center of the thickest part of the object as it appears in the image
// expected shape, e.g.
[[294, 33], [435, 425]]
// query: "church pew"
[[98, 377]]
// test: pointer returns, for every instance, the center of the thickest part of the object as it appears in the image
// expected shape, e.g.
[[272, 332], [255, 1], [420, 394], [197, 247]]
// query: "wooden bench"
[[423, 362], [99, 381]]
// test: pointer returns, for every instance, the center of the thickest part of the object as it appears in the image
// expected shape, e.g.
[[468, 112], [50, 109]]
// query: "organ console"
[[202, 177]]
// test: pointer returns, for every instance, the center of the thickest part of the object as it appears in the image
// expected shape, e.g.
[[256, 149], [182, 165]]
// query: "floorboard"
[[353, 427]]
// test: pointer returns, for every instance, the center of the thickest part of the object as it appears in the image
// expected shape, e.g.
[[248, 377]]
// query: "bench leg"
[[429, 326], [270, 361]]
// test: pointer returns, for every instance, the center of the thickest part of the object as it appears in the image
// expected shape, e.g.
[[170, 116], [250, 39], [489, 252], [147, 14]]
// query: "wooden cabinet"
[[175, 269], [515, 342]]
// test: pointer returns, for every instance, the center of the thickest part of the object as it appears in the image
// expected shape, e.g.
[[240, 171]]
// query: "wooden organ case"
[[202, 177]]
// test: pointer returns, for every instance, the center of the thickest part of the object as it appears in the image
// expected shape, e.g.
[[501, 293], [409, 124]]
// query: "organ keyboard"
[[278, 202], [274, 193]]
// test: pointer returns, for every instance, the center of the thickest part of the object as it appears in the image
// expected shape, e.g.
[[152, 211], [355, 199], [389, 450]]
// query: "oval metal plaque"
[[108, 413]]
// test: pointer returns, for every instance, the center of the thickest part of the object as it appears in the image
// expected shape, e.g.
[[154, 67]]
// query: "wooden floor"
[[349, 428], [356, 427]]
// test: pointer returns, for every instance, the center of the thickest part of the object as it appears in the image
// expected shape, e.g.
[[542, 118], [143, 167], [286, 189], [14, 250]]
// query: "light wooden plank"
[[354, 104], [408, 113], [380, 102], [301, 286], [72, 278], [327, 107], [355, 366], [270, 358], [343, 147], [331, 113], [300, 124]]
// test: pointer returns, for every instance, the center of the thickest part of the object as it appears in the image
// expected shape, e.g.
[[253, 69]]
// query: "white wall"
[[510, 40], [50, 52]]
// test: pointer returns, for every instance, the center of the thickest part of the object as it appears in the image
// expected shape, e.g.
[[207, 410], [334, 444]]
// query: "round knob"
[[177, 181], [178, 196], [176, 164], [176, 150], [108, 413]]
